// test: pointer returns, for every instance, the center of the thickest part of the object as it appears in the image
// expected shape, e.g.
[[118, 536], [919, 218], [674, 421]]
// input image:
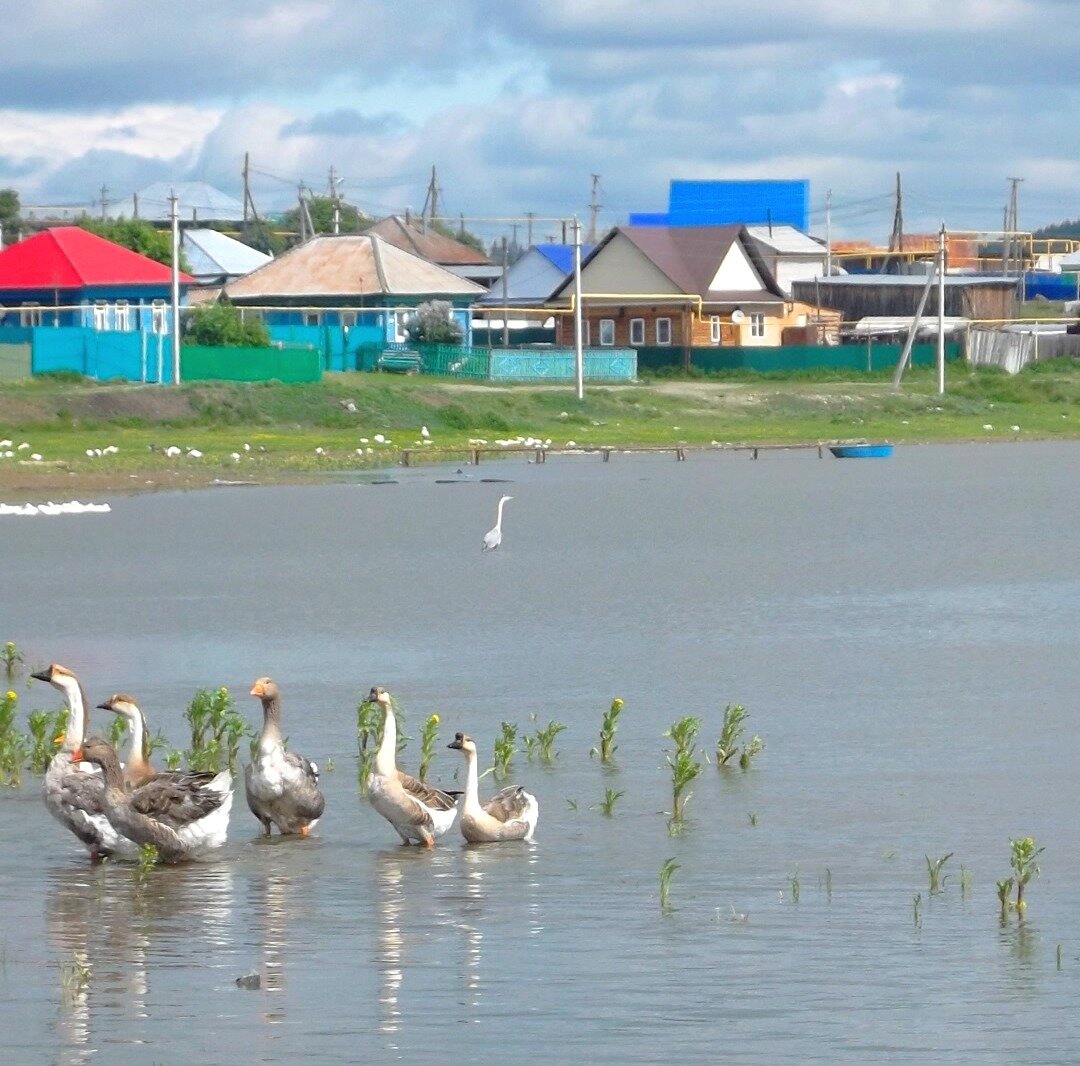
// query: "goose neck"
[[75, 732], [386, 756]]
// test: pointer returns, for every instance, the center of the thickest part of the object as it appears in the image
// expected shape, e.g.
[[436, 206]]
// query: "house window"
[[607, 332], [757, 325], [30, 314], [399, 320], [157, 316], [101, 315], [348, 319], [714, 329], [663, 331], [312, 318], [123, 315], [637, 331]]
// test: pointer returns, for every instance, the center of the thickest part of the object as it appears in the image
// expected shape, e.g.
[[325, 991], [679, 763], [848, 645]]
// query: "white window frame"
[[757, 325], [122, 315], [663, 335], [607, 333], [31, 313], [158, 318], [714, 329], [312, 318], [637, 332], [348, 319], [101, 315]]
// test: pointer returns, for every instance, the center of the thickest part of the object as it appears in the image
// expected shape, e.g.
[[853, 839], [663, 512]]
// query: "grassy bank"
[[277, 430]]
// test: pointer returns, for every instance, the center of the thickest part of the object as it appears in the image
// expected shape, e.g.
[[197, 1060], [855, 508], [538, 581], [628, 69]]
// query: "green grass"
[[284, 424]]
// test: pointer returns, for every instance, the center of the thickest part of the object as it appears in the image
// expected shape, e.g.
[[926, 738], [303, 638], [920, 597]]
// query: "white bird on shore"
[[493, 537], [424, 432], [172, 451], [194, 453]]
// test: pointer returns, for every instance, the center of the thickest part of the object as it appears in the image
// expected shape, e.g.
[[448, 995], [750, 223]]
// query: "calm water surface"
[[903, 633]]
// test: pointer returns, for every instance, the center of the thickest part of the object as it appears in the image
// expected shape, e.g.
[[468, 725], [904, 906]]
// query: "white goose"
[[74, 796], [417, 811], [493, 537], [510, 814]]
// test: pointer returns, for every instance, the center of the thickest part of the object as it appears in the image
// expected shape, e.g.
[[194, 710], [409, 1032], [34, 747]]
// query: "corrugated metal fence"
[[1012, 351]]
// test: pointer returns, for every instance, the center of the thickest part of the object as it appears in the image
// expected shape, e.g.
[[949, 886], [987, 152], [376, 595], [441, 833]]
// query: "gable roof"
[[69, 257], [210, 253], [349, 265], [195, 200], [426, 243], [787, 240], [562, 255], [692, 258]]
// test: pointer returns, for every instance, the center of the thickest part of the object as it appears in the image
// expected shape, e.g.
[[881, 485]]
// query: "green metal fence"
[[855, 357], [200, 363]]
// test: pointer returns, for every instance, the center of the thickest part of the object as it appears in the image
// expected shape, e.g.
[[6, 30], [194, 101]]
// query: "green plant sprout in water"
[[730, 733], [1024, 853], [937, 879], [795, 886], [752, 815], [667, 872], [216, 731], [46, 730], [607, 804], [546, 739], [918, 910], [531, 745], [684, 733], [13, 750], [608, 728], [116, 731], [174, 760], [429, 735], [12, 659], [684, 768], [755, 747], [369, 723], [505, 747], [965, 882], [149, 857], [1004, 891]]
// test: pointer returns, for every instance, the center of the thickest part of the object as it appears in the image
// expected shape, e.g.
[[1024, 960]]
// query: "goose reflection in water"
[[121, 926]]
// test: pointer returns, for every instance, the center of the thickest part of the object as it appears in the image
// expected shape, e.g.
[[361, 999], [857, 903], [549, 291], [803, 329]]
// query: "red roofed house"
[[67, 276]]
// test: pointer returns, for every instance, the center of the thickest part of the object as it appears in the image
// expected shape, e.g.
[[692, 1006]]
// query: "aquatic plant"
[[965, 882], [684, 733], [117, 729], [13, 749], [795, 886], [369, 719], [933, 866], [918, 910], [755, 747], [1024, 853], [684, 767], [505, 747], [149, 857], [752, 815], [328, 765], [828, 884], [667, 872], [572, 804], [174, 760], [1059, 956], [607, 804], [429, 734], [77, 974], [546, 739], [1004, 891], [12, 659], [531, 744], [216, 731], [730, 733], [46, 730], [608, 728]]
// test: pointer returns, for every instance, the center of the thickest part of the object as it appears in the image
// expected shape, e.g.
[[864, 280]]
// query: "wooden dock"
[[539, 455]]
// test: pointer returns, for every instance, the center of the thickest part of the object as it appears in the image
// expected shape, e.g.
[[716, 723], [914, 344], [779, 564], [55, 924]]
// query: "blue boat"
[[861, 451]]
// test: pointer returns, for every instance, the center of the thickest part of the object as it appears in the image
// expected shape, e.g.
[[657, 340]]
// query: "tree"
[[433, 323], [136, 234], [10, 219], [461, 235], [220, 326], [321, 208]]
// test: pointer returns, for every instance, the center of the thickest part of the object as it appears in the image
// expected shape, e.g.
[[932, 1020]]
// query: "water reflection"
[[118, 925], [390, 902]]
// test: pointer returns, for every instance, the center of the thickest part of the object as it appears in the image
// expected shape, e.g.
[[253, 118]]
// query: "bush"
[[220, 326], [433, 323]]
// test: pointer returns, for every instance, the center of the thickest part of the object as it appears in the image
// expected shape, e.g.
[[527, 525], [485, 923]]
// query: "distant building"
[[435, 247], [721, 203], [215, 259], [789, 254], [196, 202], [534, 276]]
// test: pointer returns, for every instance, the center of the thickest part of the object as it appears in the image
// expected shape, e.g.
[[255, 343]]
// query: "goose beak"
[[257, 690], [455, 744], [77, 755], [42, 675], [106, 706]]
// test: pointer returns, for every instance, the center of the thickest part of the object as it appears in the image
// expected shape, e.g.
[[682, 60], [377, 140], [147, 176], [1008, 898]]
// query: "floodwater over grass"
[[901, 632]]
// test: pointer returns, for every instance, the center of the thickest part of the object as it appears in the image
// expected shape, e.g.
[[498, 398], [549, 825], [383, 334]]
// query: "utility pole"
[[896, 238], [249, 202], [134, 205], [941, 312], [334, 181], [828, 233], [529, 216], [579, 354], [174, 222], [506, 313], [431, 199], [104, 200], [594, 208], [1012, 225]]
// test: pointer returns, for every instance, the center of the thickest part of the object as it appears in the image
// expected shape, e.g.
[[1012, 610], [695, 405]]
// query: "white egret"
[[493, 537]]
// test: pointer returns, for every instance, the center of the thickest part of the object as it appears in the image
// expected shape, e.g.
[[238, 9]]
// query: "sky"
[[518, 104]]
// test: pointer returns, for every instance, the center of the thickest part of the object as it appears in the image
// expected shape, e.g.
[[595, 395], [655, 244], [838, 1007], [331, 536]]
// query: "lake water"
[[904, 634]]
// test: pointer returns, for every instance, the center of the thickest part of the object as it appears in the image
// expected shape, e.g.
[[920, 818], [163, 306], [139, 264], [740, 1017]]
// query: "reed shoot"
[[937, 879], [828, 884], [965, 882], [608, 728], [546, 739], [752, 815], [531, 745], [918, 910], [730, 733], [429, 735], [12, 659], [505, 747], [684, 767], [1059, 956], [607, 804], [755, 747], [174, 760], [667, 872], [13, 749], [1024, 853], [795, 886], [369, 718], [1004, 891], [684, 733], [149, 857], [117, 729], [46, 729], [216, 731]]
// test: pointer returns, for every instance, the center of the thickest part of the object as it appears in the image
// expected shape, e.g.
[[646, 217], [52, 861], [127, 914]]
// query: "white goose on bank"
[[417, 811], [182, 819], [493, 537], [74, 796], [510, 814], [282, 787]]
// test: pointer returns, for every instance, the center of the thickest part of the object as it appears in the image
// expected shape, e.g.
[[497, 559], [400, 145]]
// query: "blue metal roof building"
[[722, 203]]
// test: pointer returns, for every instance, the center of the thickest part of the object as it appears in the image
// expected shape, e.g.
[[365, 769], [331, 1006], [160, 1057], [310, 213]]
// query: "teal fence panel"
[[104, 355], [615, 364]]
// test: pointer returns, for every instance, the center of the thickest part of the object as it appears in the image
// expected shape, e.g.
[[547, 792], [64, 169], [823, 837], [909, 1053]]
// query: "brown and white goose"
[[182, 819], [282, 787], [74, 795], [417, 811], [510, 814]]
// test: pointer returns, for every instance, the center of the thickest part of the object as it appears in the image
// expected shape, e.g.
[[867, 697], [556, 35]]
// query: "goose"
[[493, 537], [509, 815], [282, 787], [74, 796], [416, 810], [183, 820]]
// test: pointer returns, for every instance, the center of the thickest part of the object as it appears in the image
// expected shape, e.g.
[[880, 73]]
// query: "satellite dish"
[[737, 316]]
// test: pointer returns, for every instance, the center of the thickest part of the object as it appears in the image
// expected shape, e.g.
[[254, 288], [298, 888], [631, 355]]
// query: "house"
[[437, 248], [679, 286], [214, 259], [789, 254], [359, 282], [196, 201], [67, 276]]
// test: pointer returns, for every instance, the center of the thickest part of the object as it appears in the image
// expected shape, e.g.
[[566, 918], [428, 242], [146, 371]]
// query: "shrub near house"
[[220, 326]]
